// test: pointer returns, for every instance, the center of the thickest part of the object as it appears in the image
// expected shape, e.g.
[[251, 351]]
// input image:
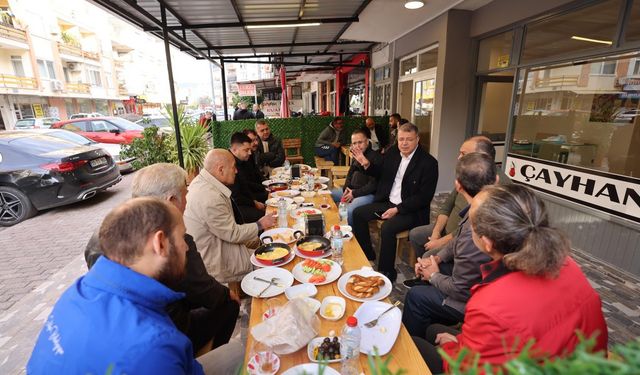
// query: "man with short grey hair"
[[209, 309]]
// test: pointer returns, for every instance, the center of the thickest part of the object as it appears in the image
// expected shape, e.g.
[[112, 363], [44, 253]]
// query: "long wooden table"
[[404, 354]]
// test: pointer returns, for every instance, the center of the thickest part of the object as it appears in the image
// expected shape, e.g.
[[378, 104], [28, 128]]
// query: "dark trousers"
[[424, 306], [328, 153], [250, 214], [428, 348], [206, 324], [361, 218]]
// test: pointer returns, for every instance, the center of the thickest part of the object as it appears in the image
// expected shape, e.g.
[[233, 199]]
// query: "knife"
[[269, 282]]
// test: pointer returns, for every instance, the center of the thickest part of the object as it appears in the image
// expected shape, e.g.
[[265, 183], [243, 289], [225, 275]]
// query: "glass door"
[[424, 96]]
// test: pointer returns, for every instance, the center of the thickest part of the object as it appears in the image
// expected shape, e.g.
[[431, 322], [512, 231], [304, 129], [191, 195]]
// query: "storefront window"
[[632, 33], [495, 52], [381, 74], [428, 60], [585, 29], [409, 66], [584, 114]]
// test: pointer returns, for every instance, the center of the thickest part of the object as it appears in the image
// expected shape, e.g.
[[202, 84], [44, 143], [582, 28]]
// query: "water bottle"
[[350, 347], [342, 211], [336, 245], [311, 182], [287, 168], [282, 213]]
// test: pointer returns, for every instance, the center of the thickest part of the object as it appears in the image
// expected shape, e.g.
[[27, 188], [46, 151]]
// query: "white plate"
[[304, 277], [273, 202], [253, 367], [300, 211], [316, 342], [257, 263], [310, 368], [272, 232], [303, 187], [273, 180], [298, 253], [285, 193], [346, 236], [385, 333], [300, 290], [322, 180], [365, 271], [254, 287]]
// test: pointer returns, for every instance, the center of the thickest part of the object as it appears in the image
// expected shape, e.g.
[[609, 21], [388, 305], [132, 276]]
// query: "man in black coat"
[[378, 135], [242, 113], [407, 179], [209, 309], [249, 169], [270, 151], [249, 206]]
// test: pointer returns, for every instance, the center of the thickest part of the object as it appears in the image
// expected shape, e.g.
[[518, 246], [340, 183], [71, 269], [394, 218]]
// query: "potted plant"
[[193, 140]]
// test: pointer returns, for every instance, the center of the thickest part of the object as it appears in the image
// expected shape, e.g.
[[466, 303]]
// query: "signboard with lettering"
[[38, 112], [613, 194], [271, 108], [246, 89]]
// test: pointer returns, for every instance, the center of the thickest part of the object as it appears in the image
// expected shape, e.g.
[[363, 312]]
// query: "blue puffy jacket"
[[113, 320]]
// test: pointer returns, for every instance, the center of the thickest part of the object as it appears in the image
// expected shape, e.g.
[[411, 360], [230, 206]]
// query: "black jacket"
[[418, 183], [357, 180], [382, 132], [249, 172], [241, 192], [258, 114], [275, 157], [201, 289], [242, 114]]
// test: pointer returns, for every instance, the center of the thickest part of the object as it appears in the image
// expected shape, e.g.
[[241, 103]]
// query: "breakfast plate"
[[304, 211], [310, 368], [273, 181], [383, 335], [369, 285], [273, 202], [256, 263], [313, 348], [298, 253], [253, 287], [284, 235], [289, 193], [317, 272]]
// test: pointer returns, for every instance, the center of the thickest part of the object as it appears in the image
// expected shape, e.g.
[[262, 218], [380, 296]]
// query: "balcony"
[[82, 88], [122, 90], [13, 33], [9, 81], [559, 81], [66, 49]]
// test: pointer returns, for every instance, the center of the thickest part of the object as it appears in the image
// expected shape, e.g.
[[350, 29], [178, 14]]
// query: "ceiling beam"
[[345, 27], [303, 3], [302, 44], [242, 23], [239, 15], [299, 54], [293, 63]]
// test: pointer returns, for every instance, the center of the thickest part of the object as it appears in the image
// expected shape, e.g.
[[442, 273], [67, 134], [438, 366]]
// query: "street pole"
[[224, 90], [174, 104], [213, 89]]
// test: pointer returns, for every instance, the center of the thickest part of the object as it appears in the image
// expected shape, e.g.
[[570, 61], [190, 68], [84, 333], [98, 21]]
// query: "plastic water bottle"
[[311, 182], [336, 245], [342, 211], [287, 168], [350, 347], [282, 213]]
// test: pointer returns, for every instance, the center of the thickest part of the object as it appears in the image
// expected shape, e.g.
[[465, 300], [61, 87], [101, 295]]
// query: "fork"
[[373, 323]]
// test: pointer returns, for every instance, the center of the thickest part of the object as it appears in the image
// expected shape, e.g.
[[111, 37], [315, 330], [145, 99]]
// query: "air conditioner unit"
[[73, 66], [56, 85]]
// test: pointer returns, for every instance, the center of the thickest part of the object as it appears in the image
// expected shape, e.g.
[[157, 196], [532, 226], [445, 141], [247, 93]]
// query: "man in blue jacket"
[[113, 319]]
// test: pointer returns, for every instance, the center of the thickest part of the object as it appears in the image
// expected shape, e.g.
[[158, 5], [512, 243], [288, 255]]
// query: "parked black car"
[[39, 172]]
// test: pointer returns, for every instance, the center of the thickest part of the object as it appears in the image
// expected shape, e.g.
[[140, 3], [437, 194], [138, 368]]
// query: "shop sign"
[[613, 194], [503, 61], [271, 108], [246, 89], [38, 112]]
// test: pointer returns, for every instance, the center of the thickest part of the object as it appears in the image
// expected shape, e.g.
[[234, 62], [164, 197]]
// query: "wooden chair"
[[292, 147], [402, 240], [339, 174], [324, 166]]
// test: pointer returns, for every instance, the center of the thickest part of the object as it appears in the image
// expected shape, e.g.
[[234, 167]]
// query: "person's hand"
[[421, 266], [259, 205], [267, 221], [347, 195], [435, 243], [432, 267], [336, 144], [444, 337], [234, 296], [388, 214], [360, 158]]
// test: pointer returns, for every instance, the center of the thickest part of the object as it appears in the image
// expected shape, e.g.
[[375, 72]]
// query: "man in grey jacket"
[[330, 140], [456, 267]]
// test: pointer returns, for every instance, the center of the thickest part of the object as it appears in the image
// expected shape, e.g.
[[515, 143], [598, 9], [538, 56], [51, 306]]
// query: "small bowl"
[[313, 304], [324, 206], [339, 301], [300, 290], [314, 344], [298, 200], [308, 194]]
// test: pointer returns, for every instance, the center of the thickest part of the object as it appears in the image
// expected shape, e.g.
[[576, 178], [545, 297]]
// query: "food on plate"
[[318, 270], [317, 279], [306, 212], [364, 287], [285, 237], [332, 310], [276, 253], [310, 246], [283, 193], [329, 349]]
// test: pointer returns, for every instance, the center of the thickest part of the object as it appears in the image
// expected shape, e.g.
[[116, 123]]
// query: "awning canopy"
[[300, 34]]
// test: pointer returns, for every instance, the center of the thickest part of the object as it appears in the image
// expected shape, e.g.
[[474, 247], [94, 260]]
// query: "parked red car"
[[103, 129]]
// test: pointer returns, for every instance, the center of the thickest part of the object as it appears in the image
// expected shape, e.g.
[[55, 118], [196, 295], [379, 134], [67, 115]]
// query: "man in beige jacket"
[[209, 218]]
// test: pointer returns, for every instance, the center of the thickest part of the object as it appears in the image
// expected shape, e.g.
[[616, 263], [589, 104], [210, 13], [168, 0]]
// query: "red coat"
[[509, 308]]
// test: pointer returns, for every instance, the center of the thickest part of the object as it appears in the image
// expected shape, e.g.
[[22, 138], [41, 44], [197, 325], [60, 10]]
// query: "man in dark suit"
[[249, 204], [249, 170], [378, 135], [407, 179]]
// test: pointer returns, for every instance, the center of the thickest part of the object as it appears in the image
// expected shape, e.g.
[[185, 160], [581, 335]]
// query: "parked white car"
[[36, 123]]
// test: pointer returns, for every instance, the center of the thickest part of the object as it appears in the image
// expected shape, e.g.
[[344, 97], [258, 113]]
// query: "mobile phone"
[[379, 215]]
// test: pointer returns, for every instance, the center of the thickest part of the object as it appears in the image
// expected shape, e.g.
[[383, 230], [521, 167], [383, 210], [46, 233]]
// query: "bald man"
[[210, 219], [378, 135]]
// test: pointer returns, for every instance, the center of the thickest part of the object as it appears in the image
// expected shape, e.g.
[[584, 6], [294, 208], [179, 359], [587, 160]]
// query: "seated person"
[[209, 309], [359, 187], [431, 238], [210, 219], [407, 178], [330, 140], [270, 153], [249, 206], [250, 169], [531, 289], [114, 319], [456, 267], [378, 135]]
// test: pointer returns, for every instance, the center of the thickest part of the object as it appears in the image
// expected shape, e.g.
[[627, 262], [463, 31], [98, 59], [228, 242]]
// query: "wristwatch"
[[431, 276]]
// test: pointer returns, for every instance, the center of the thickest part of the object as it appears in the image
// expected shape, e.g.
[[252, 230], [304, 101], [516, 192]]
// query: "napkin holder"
[[314, 225], [295, 171]]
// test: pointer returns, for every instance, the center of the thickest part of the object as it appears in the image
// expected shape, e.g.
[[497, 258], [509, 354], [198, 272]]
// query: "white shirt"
[[265, 146], [375, 143], [395, 196]]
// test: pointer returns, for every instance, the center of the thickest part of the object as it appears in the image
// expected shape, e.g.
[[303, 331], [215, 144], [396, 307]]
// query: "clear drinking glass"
[[263, 359]]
